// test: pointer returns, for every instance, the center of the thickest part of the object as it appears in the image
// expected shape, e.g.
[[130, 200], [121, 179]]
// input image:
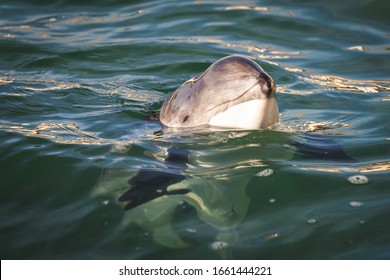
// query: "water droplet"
[[105, 202], [272, 236], [219, 245], [358, 179], [191, 230], [356, 204], [311, 221], [272, 200], [265, 173], [362, 222]]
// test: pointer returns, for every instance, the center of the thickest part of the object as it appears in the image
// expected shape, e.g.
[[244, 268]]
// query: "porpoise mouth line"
[[238, 97]]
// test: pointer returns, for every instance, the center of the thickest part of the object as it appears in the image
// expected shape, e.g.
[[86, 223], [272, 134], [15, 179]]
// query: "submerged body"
[[234, 92]]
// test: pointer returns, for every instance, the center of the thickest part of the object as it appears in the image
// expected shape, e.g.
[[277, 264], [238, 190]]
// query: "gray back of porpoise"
[[233, 92]]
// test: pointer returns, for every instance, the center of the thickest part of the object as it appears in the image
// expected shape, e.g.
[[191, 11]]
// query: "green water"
[[79, 81]]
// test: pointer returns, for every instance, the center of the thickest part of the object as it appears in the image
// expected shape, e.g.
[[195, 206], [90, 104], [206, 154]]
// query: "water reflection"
[[211, 182], [66, 133], [318, 127], [184, 180], [258, 8], [341, 83], [372, 167]]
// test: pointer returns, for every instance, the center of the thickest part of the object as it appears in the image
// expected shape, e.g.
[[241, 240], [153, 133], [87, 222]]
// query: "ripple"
[[372, 167], [262, 9], [66, 133], [345, 84]]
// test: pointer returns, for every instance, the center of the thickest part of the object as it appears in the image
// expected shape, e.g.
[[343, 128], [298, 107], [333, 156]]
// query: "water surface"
[[79, 84]]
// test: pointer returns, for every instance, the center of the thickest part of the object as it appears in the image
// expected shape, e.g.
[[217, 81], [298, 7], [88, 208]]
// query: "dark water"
[[79, 81]]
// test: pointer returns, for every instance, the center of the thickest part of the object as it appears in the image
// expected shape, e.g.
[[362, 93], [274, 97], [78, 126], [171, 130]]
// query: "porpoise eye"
[[185, 118]]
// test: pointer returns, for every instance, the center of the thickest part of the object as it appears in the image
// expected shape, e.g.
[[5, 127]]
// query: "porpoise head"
[[234, 92]]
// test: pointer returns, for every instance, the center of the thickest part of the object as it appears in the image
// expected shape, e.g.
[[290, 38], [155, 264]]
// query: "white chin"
[[253, 114]]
